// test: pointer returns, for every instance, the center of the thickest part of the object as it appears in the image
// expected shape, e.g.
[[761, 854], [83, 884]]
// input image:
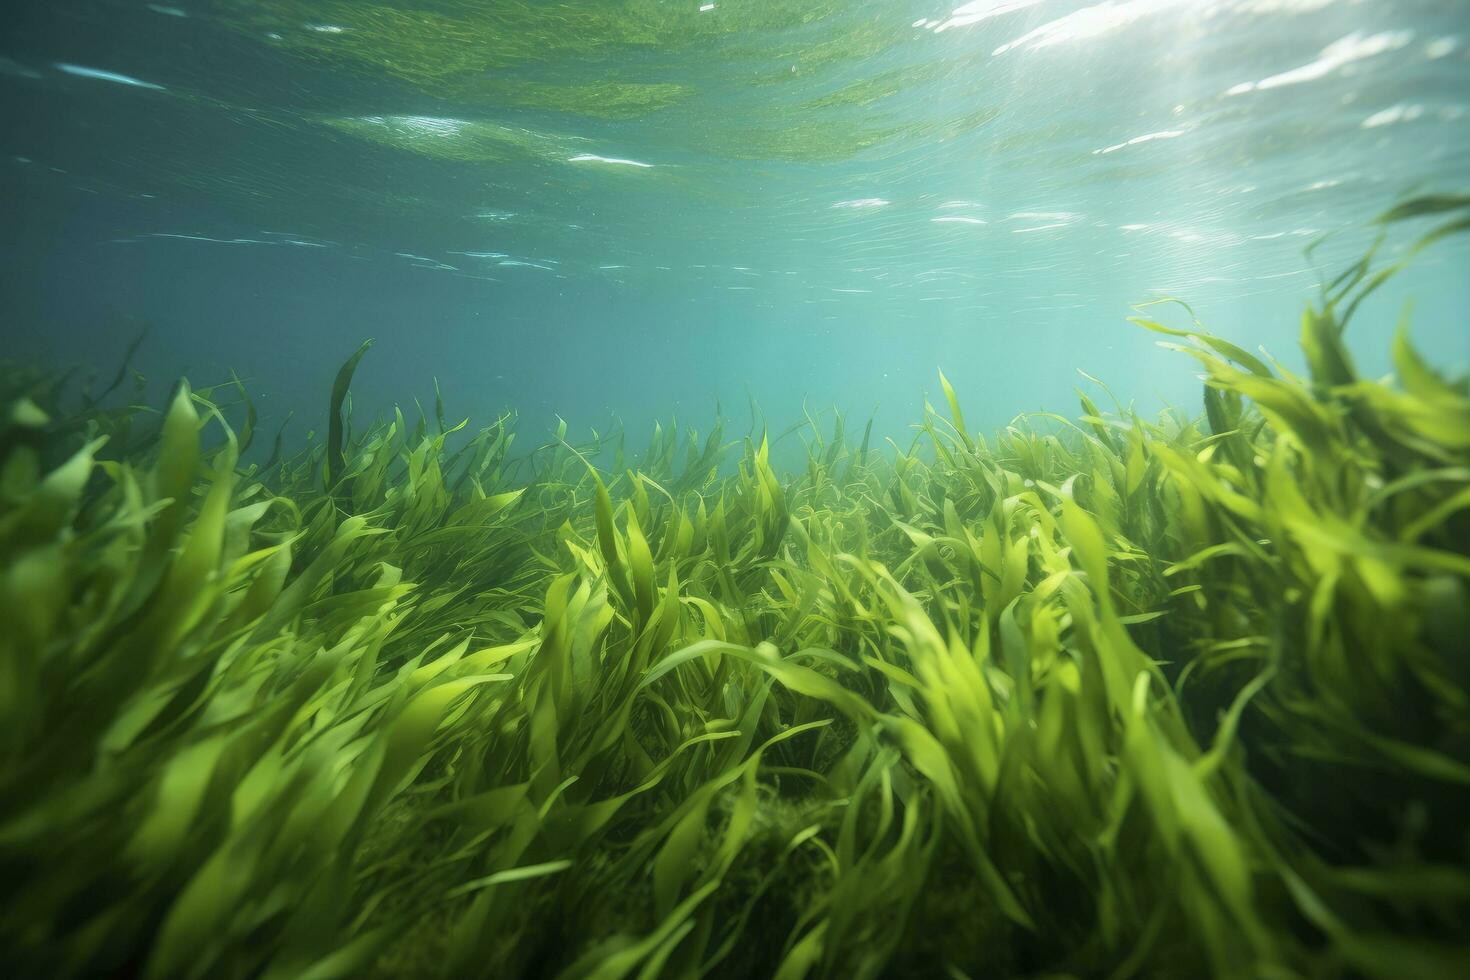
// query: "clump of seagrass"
[[1117, 697]]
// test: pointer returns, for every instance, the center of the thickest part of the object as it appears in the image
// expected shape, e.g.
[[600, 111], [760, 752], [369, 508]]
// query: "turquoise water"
[[646, 209]]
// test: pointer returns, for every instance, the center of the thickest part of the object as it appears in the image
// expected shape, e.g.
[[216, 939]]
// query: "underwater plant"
[[1106, 697]]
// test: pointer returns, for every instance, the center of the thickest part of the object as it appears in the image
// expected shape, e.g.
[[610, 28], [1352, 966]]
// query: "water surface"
[[644, 208]]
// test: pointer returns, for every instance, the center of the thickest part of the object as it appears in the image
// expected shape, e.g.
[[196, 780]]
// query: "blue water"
[[643, 209]]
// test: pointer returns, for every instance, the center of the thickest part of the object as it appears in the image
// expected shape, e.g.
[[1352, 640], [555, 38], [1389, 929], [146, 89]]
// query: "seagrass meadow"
[[1105, 697]]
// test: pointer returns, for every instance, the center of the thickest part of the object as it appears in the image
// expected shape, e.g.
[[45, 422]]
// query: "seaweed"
[[335, 458], [1113, 697]]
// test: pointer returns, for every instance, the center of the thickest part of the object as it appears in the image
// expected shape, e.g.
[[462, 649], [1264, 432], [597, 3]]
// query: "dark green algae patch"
[[1109, 697]]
